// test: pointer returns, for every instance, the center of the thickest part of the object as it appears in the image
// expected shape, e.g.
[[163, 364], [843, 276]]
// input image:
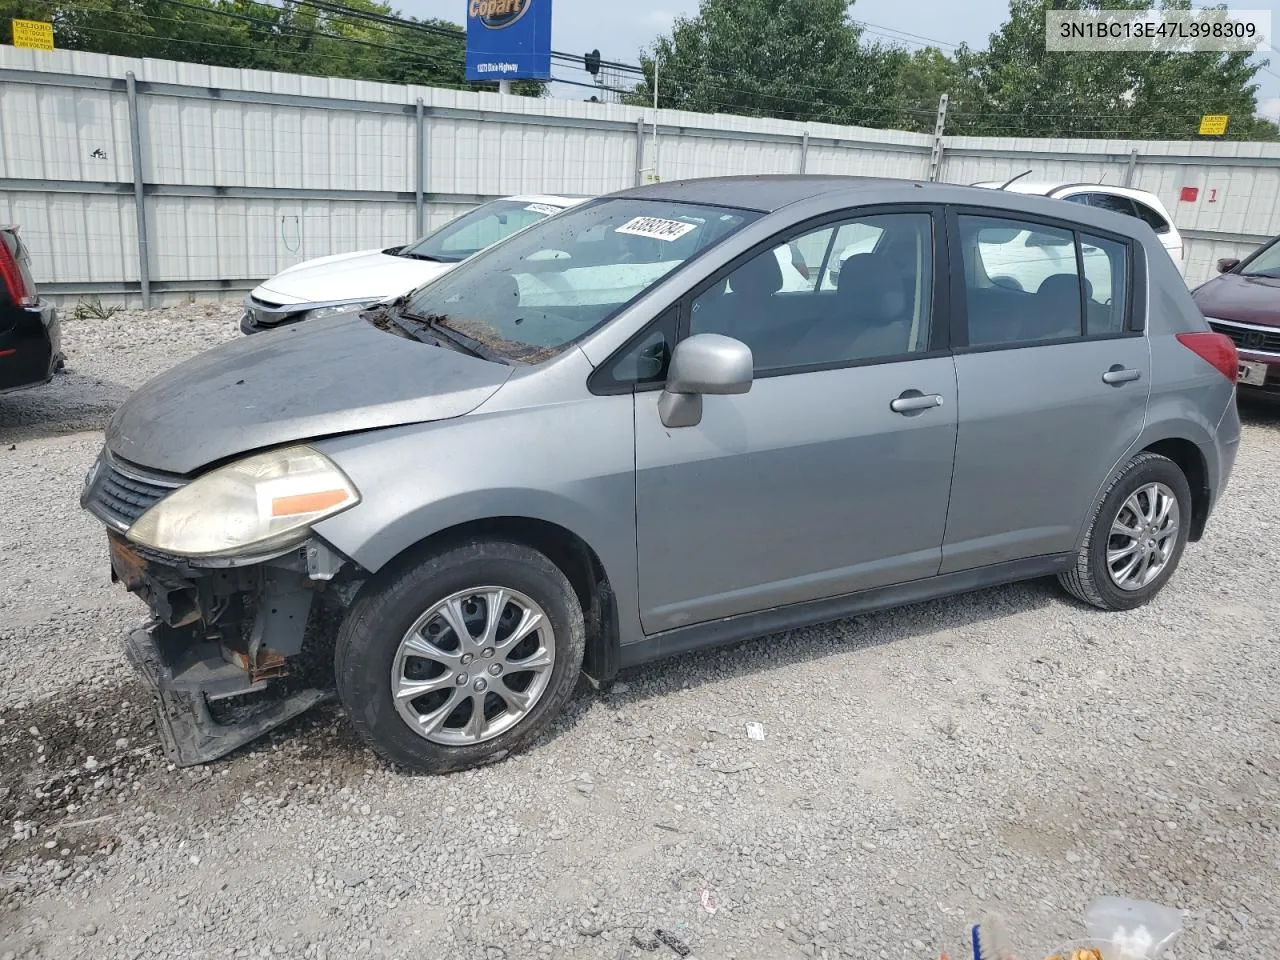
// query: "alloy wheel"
[[473, 666], [1143, 536]]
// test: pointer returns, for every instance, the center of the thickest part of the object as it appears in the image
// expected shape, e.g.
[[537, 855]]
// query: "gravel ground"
[[1005, 749]]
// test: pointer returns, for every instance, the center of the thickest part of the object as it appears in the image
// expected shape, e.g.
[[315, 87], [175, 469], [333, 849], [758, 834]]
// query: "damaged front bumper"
[[188, 731], [219, 651]]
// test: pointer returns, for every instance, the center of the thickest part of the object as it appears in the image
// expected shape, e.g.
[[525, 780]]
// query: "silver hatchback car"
[[625, 433]]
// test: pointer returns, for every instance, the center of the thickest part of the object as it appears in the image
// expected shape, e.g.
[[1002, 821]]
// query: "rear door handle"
[[913, 401], [1118, 374]]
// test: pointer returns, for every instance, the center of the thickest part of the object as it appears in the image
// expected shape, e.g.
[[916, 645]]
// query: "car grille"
[[119, 495], [1249, 338]]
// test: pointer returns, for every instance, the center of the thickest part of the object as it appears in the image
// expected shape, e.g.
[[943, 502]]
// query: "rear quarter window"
[[1158, 223]]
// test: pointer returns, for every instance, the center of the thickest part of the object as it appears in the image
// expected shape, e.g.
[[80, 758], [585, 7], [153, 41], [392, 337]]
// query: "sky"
[[620, 28]]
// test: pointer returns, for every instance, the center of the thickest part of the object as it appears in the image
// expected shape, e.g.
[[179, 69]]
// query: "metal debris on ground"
[[755, 731], [675, 943], [647, 943]]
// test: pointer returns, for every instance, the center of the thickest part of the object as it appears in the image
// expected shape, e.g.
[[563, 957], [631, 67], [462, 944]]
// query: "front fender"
[[569, 464]]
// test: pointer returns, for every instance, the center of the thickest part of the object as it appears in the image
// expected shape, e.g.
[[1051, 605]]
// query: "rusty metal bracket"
[[281, 619]]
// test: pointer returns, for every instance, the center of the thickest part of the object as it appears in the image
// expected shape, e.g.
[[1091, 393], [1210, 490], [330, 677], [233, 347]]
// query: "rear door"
[[1053, 374]]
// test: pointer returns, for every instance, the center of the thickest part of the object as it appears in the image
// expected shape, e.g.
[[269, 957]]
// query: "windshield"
[[1265, 264], [556, 282], [482, 227]]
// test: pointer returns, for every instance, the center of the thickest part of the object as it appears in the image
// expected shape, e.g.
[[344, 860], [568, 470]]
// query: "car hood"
[[327, 377], [364, 275], [1243, 299]]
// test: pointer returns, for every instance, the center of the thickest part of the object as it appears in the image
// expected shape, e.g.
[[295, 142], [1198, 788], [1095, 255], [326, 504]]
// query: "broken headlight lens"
[[265, 502]]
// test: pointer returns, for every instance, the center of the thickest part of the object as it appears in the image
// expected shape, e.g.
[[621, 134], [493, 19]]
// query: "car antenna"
[[1011, 179]]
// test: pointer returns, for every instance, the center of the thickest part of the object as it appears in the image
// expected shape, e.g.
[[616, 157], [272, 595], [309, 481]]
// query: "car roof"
[[554, 199], [773, 192], [763, 192]]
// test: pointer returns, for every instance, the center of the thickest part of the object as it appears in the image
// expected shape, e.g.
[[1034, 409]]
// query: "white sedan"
[[346, 281]]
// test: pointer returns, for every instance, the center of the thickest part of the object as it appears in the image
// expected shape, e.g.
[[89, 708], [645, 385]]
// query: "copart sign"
[[508, 39]]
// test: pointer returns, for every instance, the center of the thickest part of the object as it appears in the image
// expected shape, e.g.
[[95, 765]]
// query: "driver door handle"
[[1118, 375], [913, 401]]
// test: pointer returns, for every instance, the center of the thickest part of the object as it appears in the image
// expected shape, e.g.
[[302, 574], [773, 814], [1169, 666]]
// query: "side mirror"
[[702, 364], [1226, 264]]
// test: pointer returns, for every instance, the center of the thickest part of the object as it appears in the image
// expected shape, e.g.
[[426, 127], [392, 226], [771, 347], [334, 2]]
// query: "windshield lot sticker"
[[542, 208], [656, 227]]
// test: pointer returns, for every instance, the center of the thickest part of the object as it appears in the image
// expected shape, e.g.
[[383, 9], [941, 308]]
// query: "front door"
[[1053, 384], [832, 474]]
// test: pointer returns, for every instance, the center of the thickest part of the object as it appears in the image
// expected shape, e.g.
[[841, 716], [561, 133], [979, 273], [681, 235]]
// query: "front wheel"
[[462, 657], [1136, 536]]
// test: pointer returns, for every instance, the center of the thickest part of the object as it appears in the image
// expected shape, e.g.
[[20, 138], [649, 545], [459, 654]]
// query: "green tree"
[[923, 76], [791, 59], [366, 41], [1017, 88]]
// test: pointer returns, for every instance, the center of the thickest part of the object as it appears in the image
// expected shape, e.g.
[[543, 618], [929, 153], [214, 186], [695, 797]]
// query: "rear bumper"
[[30, 346], [1228, 446]]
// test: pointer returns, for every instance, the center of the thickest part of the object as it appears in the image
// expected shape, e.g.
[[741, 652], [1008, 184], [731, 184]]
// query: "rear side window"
[[1158, 223], [1106, 293], [1108, 201], [1029, 283]]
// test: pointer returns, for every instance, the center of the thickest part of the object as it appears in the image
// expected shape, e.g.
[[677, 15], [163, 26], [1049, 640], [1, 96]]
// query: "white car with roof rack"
[[336, 284]]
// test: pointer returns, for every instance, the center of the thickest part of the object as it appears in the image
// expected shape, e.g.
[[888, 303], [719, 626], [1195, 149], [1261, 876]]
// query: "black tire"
[[388, 606], [1089, 580]]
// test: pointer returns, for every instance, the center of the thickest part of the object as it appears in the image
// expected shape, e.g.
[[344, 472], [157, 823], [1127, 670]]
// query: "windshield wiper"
[[424, 256], [436, 324]]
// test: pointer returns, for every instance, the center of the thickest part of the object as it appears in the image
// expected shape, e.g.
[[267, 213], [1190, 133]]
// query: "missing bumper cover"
[[188, 732], [219, 634]]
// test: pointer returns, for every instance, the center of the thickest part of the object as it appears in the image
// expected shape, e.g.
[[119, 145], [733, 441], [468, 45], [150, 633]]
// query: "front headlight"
[[262, 503], [319, 313]]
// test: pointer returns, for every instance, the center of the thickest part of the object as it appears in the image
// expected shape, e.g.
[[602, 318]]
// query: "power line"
[[455, 33], [285, 32], [878, 28]]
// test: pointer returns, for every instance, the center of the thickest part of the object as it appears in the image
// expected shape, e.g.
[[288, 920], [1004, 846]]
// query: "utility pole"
[[935, 156], [655, 119]]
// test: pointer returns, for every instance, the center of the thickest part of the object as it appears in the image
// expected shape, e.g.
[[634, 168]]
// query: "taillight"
[[1217, 349], [11, 277]]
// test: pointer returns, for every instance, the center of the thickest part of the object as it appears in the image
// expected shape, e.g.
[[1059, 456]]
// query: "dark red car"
[[30, 335], [1244, 303]]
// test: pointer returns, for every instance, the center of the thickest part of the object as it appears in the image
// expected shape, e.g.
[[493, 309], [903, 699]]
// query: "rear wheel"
[[462, 657], [1136, 536]]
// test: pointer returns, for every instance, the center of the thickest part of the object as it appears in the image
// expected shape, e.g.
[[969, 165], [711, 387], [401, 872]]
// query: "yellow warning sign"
[[33, 34], [1213, 125]]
